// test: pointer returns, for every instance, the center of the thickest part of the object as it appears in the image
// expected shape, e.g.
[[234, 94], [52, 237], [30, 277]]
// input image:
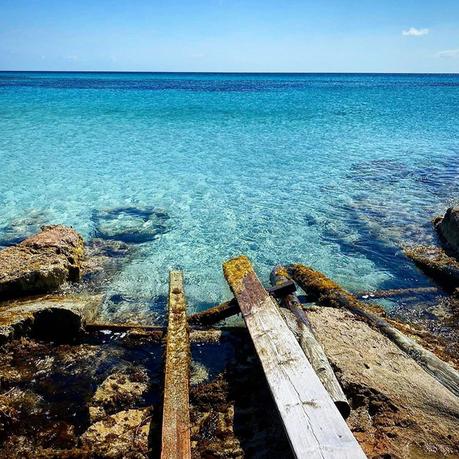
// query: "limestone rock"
[[55, 318], [398, 410], [435, 262], [121, 390], [41, 263], [448, 228], [121, 435]]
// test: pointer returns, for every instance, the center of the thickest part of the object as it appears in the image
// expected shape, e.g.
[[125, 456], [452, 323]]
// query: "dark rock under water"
[[16, 230], [130, 224]]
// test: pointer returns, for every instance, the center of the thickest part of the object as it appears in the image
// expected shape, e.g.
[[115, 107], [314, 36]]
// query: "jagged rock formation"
[[41, 263], [119, 391], [448, 228]]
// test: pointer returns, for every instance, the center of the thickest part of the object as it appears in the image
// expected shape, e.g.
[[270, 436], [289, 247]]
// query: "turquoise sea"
[[337, 171]]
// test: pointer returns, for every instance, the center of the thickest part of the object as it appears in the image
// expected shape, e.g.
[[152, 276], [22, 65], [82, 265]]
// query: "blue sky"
[[231, 35]]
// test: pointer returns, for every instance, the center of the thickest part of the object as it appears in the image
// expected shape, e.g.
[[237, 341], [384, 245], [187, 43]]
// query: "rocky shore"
[[41, 263], [68, 391]]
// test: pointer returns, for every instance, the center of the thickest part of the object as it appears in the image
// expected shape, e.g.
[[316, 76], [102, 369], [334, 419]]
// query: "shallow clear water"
[[336, 171]]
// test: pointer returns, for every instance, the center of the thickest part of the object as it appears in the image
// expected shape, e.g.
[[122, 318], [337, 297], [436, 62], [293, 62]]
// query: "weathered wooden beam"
[[297, 321], [176, 426], [282, 289], [399, 292], [328, 293], [312, 422], [157, 333], [216, 314], [117, 327], [230, 308]]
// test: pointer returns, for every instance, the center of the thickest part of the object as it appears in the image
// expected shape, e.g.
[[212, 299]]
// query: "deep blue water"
[[334, 170]]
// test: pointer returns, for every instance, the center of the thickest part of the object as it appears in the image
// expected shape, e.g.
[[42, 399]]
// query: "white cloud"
[[414, 32], [449, 54]]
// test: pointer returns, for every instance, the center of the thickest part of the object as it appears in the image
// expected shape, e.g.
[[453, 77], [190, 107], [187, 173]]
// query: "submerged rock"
[[121, 435], [435, 262], [104, 260], [16, 230], [121, 390], [199, 373], [130, 224], [41, 263], [448, 228]]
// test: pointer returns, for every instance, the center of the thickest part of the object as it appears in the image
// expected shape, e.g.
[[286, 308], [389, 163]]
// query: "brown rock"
[[41, 263], [122, 435], [435, 262], [448, 228], [55, 318], [121, 390]]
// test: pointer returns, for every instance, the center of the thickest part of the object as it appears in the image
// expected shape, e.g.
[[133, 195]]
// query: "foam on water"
[[336, 171]]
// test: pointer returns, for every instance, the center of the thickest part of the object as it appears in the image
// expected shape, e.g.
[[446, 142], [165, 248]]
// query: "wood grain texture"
[[298, 323], [314, 426], [328, 293], [176, 408]]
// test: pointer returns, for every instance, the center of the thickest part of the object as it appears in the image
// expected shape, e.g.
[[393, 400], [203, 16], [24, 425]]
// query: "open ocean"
[[337, 171]]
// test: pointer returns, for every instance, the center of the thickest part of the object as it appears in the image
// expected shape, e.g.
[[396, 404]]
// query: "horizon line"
[[225, 72]]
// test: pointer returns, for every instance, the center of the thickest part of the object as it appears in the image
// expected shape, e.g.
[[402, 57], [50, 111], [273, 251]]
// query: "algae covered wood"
[[328, 293], [313, 424], [176, 408], [298, 323]]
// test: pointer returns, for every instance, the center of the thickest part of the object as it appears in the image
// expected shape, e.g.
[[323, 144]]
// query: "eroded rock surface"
[[121, 390], [435, 262], [55, 318], [121, 435], [41, 263], [398, 410], [448, 228]]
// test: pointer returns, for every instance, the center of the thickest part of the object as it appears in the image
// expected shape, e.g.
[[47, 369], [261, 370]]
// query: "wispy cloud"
[[415, 32], [449, 54]]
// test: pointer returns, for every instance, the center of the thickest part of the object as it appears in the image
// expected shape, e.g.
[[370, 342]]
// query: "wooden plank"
[[327, 293], [231, 308], [176, 408], [312, 422], [125, 327], [297, 321], [157, 334], [216, 314], [399, 292], [282, 289]]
